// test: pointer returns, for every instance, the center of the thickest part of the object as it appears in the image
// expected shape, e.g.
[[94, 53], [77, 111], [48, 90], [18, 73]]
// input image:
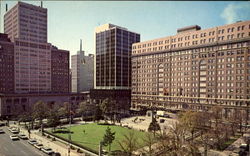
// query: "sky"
[[70, 21]]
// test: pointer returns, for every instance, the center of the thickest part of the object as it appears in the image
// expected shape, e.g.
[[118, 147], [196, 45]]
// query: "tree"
[[67, 111], [194, 121], [24, 117], [53, 118], [98, 113], [40, 111], [83, 108], [154, 126], [149, 140], [129, 143], [174, 143], [108, 138], [107, 106], [219, 128]]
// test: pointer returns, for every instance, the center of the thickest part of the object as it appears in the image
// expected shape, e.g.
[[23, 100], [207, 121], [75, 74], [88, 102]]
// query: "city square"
[[129, 78]]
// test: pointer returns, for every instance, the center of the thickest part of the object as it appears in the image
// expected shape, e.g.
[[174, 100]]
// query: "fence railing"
[[74, 144]]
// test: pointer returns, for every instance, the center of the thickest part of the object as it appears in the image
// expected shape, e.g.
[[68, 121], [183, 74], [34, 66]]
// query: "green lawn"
[[94, 134]]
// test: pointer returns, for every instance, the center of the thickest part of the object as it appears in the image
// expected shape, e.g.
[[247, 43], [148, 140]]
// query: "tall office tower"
[[82, 68], [113, 57], [113, 63], [60, 70], [193, 69], [26, 26], [26, 22], [6, 64]]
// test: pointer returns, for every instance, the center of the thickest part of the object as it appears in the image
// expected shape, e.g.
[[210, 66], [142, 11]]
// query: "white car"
[[38, 146], [47, 150], [1, 131], [14, 137], [23, 136], [10, 128], [14, 130], [32, 141]]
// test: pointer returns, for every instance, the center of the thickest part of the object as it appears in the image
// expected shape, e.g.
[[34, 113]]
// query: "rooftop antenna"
[[6, 7], [41, 4], [0, 15], [80, 44]]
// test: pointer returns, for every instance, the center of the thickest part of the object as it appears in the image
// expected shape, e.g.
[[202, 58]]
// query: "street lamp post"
[[69, 136], [100, 149]]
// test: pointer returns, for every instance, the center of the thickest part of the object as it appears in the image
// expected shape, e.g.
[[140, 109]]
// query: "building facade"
[[12, 105], [26, 22], [26, 25], [82, 68], [6, 64], [60, 74], [113, 64], [193, 69], [113, 56]]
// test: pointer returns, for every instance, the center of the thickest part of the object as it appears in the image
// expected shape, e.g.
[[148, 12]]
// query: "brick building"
[[60, 71], [193, 69], [6, 64], [26, 26]]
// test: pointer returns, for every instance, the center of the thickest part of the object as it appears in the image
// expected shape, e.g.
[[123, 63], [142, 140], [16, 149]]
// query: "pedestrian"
[[84, 131]]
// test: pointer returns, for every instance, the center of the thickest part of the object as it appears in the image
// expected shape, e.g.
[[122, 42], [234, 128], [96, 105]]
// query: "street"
[[16, 148]]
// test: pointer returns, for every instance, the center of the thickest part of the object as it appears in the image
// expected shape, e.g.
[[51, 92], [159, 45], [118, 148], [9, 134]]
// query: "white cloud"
[[234, 12]]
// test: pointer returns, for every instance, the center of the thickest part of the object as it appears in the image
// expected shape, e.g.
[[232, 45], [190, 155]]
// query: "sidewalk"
[[234, 146], [54, 145], [212, 152]]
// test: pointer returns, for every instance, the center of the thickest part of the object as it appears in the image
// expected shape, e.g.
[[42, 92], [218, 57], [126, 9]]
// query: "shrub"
[[79, 151], [72, 147]]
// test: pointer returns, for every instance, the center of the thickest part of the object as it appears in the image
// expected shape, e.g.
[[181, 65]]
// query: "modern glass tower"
[[113, 56]]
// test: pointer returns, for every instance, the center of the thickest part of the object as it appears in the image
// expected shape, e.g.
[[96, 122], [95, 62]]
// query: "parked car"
[[10, 128], [38, 146], [32, 141], [162, 120], [23, 136], [245, 147], [14, 137], [56, 154], [2, 124], [14, 130], [1, 131], [47, 150], [166, 116]]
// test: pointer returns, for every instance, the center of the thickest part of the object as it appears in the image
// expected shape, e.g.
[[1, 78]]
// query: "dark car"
[[162, 120], [244, 146], [56, 154], [166, 116]]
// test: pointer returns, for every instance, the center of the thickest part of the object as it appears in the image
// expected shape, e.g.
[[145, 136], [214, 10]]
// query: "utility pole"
[[69, 128], [100, 149]]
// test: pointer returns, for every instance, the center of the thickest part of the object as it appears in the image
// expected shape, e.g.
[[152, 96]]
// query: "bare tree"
[[129, 143], [40, 111], [149, 140], [175, 143]]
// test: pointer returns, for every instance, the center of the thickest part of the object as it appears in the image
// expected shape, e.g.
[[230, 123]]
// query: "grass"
[[94, 134]]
